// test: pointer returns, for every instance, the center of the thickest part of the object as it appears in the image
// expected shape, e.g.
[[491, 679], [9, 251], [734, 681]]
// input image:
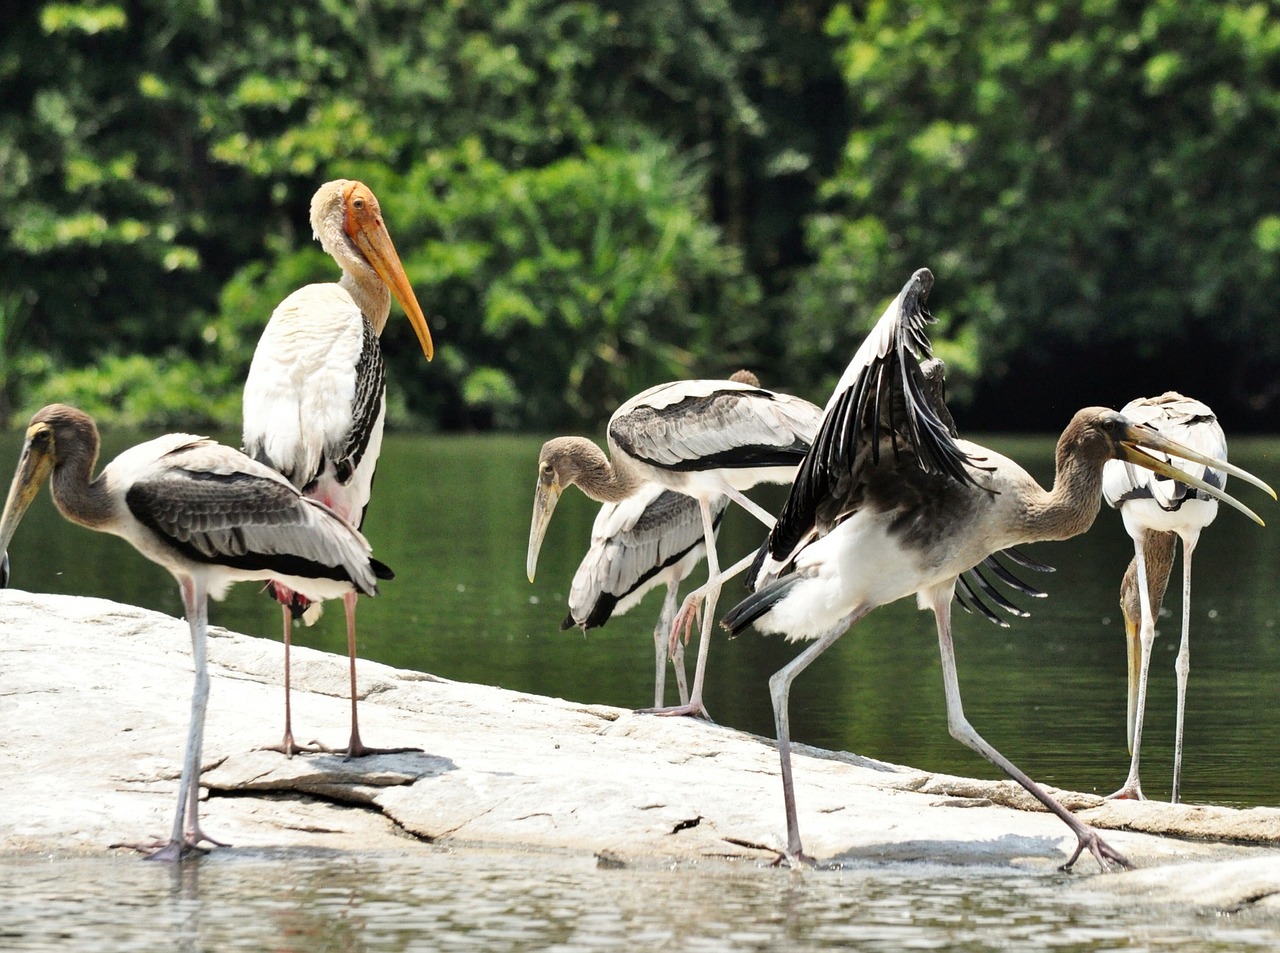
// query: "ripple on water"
[[319, 902]]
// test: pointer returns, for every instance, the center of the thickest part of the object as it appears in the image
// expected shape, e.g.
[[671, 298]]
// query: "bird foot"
[[693, 709], [288, 747], [687, 620], [796, 860], [172, 851], [1131, 791], [1103, 853], [358, 749]]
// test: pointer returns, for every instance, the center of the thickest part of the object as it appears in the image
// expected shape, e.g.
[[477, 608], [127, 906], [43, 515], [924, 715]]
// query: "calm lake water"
[[451, 516]]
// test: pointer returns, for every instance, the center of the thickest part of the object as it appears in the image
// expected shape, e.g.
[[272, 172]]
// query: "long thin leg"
[[751, 506], [712, 587], [691, 608], [288, 747], [682, 680], [780, 693], [1132, 787], [1182, 666], [661, 644], [962, 731], [355, 747], [186, 835]]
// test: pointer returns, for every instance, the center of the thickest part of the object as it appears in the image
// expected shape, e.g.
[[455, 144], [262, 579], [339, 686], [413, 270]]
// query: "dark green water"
[[451, 516]]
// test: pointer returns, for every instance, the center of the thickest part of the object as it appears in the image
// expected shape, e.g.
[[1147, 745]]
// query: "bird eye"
[[358, 204]]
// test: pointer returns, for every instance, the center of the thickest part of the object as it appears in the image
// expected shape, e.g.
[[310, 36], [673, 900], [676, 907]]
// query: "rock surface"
[[94, 697]]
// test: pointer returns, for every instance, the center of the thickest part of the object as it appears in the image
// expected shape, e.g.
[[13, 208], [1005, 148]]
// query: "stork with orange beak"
[[315, 400]]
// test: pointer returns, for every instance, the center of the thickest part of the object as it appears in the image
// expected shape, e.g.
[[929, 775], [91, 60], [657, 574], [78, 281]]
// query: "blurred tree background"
[[592, 197]]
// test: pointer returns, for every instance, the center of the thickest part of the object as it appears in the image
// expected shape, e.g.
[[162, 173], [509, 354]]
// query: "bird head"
[[38, 459], [1136, 443], [346, 211], [561, 462]]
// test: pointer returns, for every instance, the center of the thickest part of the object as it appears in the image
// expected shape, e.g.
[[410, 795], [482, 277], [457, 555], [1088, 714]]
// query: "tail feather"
[[757, 604], [299, 606], [381, 570]]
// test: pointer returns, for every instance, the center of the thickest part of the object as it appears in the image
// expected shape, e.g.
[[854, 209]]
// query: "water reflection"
[[451, 515], [316, 902]]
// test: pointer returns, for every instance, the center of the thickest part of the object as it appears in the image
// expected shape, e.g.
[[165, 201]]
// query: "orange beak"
[[363, 223]]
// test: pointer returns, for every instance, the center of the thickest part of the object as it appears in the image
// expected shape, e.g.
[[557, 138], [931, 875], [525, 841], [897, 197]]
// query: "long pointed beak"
[[545, 498], [1133, 645], [1137, 441], [34, 467], [373, 239]]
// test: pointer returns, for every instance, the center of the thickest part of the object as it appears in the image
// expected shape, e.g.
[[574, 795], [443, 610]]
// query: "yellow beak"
[[34, 466], [1138, 440], [545, 498], [374, 241]]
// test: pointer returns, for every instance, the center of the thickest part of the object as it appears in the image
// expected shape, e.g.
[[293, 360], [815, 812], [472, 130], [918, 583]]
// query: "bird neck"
[[367, 290], [78, 497], [1072, 505], [598, 478]]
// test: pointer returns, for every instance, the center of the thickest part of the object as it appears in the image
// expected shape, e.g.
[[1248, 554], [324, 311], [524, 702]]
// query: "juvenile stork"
[[702, 438], [888, 504], [209, 515], [315, 399], [1156, 512], [652, 538]]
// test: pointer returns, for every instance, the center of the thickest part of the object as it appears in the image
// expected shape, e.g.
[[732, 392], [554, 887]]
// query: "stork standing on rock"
[[209, 515], [888, 504], [315, 400], [703, 438]]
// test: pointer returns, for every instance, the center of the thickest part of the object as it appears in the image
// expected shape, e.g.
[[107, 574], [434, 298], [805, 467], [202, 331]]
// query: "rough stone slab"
[[95, 696]]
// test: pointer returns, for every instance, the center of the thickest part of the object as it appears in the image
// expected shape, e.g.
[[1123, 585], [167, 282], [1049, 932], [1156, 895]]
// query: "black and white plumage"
[[1155, 506], [888, 504], [652, 538], [315, 398], [208, 514], [702, 438]]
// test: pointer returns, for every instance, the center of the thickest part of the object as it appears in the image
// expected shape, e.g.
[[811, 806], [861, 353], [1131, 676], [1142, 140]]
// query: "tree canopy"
[[591, 197]]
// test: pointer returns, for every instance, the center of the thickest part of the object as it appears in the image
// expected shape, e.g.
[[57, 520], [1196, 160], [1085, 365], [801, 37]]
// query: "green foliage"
[[156, 160], [1095, 174], [594, 196]]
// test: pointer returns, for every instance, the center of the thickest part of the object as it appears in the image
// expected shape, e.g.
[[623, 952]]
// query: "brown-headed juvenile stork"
[[209, 515], [315, 399], [888, 504], [1160, 510], [702, 438]]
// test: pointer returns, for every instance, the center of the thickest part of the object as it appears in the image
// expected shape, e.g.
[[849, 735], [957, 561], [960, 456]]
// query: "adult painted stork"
[[702, 438], [1157, 510], [653, 538], [209, 515], [315, 399], [888, 504]]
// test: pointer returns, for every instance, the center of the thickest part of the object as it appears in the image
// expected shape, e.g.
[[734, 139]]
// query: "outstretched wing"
[[881, 405]]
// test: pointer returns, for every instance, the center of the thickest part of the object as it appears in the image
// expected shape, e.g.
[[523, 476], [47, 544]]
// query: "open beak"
[[1137, 441], [34, 467], [374, 241], [545, 497]]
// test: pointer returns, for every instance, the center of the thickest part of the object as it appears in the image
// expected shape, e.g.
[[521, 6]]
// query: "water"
[[445, 901], [451, 515]]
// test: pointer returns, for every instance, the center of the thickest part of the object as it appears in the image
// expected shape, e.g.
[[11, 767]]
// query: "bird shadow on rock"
[[269, 771]]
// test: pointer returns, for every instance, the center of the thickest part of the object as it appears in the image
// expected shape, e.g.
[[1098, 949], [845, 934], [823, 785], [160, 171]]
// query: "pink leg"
[[355, 747], [288, 747]]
